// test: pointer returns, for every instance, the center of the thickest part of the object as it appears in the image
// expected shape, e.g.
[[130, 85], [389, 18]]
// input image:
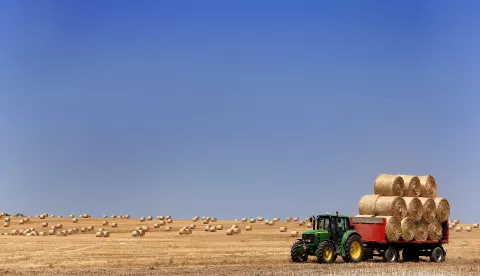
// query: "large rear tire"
[[296, 253], [325, 252], [354, 249]]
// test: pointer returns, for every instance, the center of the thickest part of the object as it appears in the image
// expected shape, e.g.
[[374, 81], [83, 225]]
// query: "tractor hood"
[[320, 231]]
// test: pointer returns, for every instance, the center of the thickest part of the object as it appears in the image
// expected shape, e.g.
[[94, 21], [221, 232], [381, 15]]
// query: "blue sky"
[[234, 108]]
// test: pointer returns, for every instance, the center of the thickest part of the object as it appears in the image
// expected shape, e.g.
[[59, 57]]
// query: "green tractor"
[[331, 236]]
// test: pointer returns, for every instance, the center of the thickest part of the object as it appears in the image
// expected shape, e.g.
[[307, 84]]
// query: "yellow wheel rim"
[[355, 249], [327, 254]]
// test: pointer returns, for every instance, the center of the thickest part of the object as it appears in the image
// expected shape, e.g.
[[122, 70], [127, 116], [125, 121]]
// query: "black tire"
[[390, 255], [295, 254], [325, 252], [352, 252], [438, 255]]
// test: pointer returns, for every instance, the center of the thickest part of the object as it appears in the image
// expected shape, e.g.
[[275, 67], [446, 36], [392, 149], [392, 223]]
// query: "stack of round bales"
[[410, 205]]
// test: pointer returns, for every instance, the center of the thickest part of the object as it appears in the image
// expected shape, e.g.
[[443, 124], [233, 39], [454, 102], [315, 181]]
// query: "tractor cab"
[[331, 235]]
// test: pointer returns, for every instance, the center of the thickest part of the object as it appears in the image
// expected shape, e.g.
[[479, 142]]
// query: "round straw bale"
[[389, 185], [156, 225], [412, 185], [207, 228], [114, 225], [294, 234], [104, 216], [468, 229], [99, 234], [106, 234], [421, 233], [70, 231], [270, 222], [113, 216], [212, 229], [229, 232], [391, 206], [219, 227], [42, 233], [237, 230], [366, 205], [248, 228], [135, 233], [301, 223], [393, 229], [145, 228], [475, 225], [266, 222], [51, 232], [428, 186], [75, 220], [295, 219], [83, 229], [6, 224], [142, 219], [309, 225], [27, 219], [289, 219], [149, 218], [205, 221], [429, 211], [283, 229], [161, 217], [193, 226], [458, 228], [414, 208], [59, 226], [214, 219], [168, 228], [21, 221], [162, 223], [90, 228], [434, 230], [442, 209], [105, 223], [252, 220], [244, 219], [7, 219], [456, 221], [408, 229], [169, 220]]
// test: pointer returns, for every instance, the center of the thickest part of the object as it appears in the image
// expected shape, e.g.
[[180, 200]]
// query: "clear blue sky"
[[235, 108]]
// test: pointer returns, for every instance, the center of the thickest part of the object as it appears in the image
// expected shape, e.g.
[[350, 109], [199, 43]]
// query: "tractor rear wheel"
[[354, 249], [296, 253], [325, 252], [438, 255], [390, 254]]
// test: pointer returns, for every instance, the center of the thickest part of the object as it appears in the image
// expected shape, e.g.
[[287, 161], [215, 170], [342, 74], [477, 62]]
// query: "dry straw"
[[408, 229], [434, 231], [443, 209], [458, 229], [366, 206], [412, 185], [422, 230], [414, 208], [389, 185], [429, 209], [428, 186], [393, 228], [391, 206]]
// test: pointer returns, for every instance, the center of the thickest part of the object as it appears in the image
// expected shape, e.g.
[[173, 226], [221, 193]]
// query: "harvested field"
[[263, 251]]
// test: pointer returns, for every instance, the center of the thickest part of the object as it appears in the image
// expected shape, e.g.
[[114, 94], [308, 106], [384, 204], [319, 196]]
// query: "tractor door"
[[342, 226]]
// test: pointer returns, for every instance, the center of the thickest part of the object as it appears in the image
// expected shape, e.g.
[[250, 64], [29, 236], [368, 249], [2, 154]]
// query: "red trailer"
[[372, 232]]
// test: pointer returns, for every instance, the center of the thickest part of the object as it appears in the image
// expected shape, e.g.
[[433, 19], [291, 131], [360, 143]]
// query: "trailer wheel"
[[354, 249], [438, 255], [390, 254]]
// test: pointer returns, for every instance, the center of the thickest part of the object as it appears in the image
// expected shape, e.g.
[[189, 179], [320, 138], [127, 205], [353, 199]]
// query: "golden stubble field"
[[263, 251]]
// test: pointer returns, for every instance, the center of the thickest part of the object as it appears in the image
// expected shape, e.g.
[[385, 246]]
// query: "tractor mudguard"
[[345, 236]]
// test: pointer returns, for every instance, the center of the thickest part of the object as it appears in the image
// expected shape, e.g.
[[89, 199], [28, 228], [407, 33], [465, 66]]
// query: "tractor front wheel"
[[296, 253], [325, 252], [353, 249]]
